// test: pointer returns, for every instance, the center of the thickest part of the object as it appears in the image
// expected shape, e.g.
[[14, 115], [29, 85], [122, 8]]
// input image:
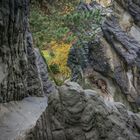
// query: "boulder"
[[17, 118], [77, 114]]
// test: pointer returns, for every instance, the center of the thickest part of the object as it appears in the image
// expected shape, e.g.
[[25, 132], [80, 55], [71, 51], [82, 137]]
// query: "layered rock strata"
[[110, 66], [19, 75], [113, 57], [77, 114]]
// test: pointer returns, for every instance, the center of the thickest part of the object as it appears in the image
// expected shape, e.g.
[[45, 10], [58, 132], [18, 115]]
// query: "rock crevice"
[[113, 56]]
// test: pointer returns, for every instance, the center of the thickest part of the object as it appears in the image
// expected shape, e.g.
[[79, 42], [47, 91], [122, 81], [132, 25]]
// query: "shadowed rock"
[[113, 56], [130, 50], [47, 84], [19, 117], [133, 7], [19, 75], [77, 114]]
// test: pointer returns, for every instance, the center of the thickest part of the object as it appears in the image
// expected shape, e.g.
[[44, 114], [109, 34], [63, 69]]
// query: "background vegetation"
[[56, 26]]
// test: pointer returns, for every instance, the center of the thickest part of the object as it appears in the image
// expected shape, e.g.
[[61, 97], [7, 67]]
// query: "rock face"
[[18, 71], [77, 114], [126, 45], [133, 8], [19, 117], [109, 65], [42, 67], [72, 114], [23, 73], [114, 56]]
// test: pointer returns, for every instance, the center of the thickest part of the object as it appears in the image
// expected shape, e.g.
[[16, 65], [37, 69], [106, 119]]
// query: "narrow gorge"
[[101, 99]]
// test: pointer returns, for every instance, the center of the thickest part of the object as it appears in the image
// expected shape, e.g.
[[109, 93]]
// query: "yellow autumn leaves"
[[56, 55]]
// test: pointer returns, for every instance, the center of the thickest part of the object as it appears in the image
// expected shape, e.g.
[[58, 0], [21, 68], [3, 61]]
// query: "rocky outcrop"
[[42, 67], [77, 114], [17, 118], [23, 73], [109, 65], [72, 114], [123, 40], [18, 71], [132, 7], [113, 56]]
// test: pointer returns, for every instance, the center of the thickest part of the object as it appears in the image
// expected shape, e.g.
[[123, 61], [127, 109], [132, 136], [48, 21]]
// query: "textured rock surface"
[[123, 40], [72, 114], [77, 114], [18, 71], [114, 56], [47, 85], [110, 65], [132, 7], [23, 72], [17, 118]]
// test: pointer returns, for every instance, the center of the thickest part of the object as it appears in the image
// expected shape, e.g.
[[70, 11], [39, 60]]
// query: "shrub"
[[54, 68]]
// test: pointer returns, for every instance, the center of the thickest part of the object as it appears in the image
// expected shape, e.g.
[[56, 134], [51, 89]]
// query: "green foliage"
[[54, 68], [56, 31], [83, 24], [55, 26], [46, 28]]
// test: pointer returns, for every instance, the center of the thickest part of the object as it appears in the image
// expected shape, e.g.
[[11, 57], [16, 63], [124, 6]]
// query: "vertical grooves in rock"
[[18, 71]]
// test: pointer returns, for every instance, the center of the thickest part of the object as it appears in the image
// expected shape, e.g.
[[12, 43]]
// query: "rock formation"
[[23, 73], [18, 71], [72, 114], [77, 114], [110, 67], [113, 55], [19, 117]]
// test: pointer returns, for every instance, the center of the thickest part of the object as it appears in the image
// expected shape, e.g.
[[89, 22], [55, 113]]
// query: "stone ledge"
[[18, 117]]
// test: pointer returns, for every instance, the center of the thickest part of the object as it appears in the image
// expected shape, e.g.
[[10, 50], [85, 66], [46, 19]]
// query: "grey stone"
[[113, 56], [19, 74], [77, 114], [18, 118]]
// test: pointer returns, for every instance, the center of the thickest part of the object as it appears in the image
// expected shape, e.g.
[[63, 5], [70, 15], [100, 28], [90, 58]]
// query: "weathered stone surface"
[[19, 76], [133, 7], [34, 81], [109, 65], [130, 49], [19, 117], [122, 38], [113, 57], [42, 67], [72, 114], [77, 114]]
